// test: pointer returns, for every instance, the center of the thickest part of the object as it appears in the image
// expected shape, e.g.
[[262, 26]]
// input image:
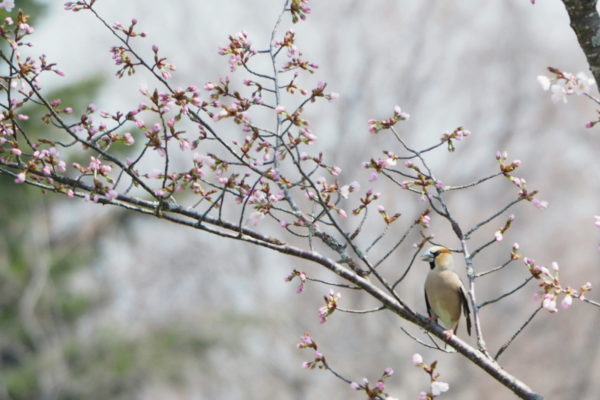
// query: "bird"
[[444, 291]]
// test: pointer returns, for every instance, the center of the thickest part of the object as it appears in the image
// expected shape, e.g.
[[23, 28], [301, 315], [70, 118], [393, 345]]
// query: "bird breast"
[[443, 292]]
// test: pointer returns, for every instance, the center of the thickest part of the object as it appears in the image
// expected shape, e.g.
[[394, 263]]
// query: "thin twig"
[[479, 275], [505, 346], [469, 185], [372, 310], [495, 215], [492, 301]]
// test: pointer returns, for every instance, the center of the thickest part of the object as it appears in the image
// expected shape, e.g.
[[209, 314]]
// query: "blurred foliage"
[[41, 354], [23, 353]]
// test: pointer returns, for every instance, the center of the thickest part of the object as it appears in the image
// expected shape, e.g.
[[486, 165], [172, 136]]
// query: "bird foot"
[[448, 334]]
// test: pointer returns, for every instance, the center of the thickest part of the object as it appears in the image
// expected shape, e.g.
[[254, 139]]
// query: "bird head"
[[437, 255]]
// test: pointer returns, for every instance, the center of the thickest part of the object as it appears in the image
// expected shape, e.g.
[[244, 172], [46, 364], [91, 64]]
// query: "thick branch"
[[585, 21]]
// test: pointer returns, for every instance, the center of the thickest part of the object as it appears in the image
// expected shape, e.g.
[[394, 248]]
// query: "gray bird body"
[[444, 292]]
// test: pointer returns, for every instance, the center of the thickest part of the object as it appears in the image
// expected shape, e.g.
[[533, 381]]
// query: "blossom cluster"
[[457, 134], [301, 275], [376, 390], [299, 10], [239, 50], [437, 387], [562, 84], [376, 126], [551, 287], [507, 168], [307, 342], [499, 234], [331, 303]]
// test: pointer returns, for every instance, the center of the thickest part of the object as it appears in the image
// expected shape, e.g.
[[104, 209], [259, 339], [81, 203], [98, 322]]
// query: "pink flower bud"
[[417, 359], [566, 302], [20, 178]]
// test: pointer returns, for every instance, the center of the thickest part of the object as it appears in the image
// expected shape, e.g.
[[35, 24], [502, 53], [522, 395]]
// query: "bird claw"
[[448, 334]]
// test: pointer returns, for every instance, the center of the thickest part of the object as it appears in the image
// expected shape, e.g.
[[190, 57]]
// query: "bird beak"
[[427, 256]]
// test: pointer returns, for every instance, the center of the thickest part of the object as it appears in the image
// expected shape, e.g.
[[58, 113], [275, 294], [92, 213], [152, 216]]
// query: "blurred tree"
[[35, 302]]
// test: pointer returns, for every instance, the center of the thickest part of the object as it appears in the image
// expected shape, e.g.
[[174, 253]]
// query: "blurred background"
[[96, 303]]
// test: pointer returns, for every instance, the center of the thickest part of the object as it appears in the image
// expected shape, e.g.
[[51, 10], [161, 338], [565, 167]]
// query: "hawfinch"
[[444, 291]]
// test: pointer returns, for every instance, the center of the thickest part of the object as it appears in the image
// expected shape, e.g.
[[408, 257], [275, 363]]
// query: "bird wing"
[[428, 305], [466, 310]]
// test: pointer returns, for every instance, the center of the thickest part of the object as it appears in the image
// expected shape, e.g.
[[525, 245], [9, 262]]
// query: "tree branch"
[[585, 21]]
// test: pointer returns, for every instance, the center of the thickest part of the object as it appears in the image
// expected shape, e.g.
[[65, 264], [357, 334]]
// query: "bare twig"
[[502, 296], [514, 336]]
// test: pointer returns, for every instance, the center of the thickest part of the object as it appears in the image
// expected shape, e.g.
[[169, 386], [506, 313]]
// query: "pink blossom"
[[549, 303], [559, 93], [544, 81], [355, 386], [389, 162], [566, 302], [417, 359], [541, 204], [255, 218], [15, 151], [388, 372], [373, 177], [438, 388], [335, 170], [70, 193], [342, 213], [112, 194], [345, 191], [8, 5], [128, 137], [498, 236], [583, 83], [20, 177], [597, 221], [305, 341], [22, 117], [280, 109]]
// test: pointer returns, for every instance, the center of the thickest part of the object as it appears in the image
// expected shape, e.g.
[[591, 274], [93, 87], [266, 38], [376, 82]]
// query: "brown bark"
[[585, 21]]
